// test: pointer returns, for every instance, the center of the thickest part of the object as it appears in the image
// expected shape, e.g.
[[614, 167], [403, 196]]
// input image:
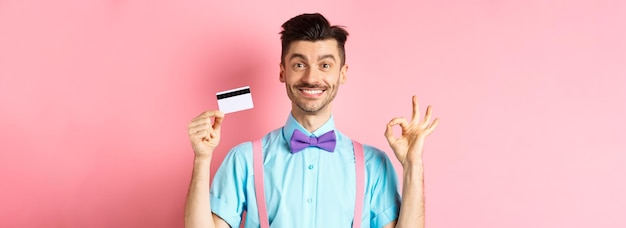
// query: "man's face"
[[312, 73]]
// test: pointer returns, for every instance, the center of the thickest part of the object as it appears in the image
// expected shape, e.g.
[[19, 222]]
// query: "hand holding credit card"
[[235, 100]]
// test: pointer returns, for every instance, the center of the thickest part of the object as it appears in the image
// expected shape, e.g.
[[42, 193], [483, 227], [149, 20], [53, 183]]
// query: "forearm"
[[412, 207], [198, 205]]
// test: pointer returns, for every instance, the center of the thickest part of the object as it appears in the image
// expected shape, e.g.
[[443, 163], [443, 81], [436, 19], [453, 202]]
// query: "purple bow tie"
[[299, 141]]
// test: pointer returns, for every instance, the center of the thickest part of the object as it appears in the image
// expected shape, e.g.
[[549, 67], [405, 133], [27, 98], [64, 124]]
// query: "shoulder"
[[237, 160], [374, 157], [244, 149], [378, 165]]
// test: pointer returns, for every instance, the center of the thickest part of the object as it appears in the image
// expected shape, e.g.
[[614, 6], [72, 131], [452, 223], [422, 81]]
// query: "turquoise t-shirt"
[[311, 188]]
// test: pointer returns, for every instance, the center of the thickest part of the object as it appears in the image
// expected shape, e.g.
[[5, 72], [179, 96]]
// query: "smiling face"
[[312, 72]]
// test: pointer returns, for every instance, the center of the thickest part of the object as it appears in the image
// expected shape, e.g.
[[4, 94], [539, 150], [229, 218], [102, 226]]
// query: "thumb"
[[389, 133], [219, 118]]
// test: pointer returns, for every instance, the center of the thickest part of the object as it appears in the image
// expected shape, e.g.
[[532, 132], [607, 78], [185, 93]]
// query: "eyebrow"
[[298, 55]]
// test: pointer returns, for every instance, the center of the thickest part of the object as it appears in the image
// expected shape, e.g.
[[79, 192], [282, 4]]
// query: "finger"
[[426, 120], [399, 121], [389, 133], [206, 114], [206, 118], [205, 130], [199, 135], [416, 110], [219, 117], [204, 126], [432, 126], [200, 121], [391, 138]]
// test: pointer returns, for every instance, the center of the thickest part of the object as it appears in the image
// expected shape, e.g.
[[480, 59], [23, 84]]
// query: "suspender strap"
[[360, 183], [257, 156]]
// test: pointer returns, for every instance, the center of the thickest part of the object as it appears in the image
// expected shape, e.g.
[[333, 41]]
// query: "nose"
[[311, 77]]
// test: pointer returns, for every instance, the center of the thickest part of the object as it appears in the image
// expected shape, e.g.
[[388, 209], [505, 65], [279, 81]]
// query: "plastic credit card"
[[235, 100]]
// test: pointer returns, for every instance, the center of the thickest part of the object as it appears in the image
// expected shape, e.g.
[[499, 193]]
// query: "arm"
[[205, 137], [409, 148]]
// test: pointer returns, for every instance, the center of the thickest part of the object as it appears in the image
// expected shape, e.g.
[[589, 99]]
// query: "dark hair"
[[312, 27]]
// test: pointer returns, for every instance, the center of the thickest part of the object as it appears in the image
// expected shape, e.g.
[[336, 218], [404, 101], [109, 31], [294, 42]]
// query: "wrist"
[[413, 164], [413, 172], [202, 157]]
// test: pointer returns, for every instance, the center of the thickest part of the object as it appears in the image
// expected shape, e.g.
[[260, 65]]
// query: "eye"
[[325, 65], [298, 65]]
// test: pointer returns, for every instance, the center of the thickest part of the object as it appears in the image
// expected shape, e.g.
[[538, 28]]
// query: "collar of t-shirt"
[[293, 124]]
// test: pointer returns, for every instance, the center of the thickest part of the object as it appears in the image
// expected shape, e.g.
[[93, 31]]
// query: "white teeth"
[[312, 91]]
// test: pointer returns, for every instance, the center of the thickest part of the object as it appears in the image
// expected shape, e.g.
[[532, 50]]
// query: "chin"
[[311, 109]]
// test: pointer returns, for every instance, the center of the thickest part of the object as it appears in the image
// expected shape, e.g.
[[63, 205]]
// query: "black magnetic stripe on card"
[[233, 93]]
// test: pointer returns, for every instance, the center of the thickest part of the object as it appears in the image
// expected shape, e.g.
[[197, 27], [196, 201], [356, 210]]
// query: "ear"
[[343, 74], [281, 76]]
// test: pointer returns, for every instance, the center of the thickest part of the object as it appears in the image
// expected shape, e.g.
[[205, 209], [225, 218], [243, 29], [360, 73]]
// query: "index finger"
[[210, 113]]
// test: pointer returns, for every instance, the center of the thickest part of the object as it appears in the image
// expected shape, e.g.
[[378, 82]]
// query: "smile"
[[312, 91]]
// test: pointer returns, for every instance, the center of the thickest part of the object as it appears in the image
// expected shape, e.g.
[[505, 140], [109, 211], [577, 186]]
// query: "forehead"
[[313, 49]]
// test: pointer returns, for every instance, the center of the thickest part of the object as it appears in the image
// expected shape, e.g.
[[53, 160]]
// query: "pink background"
[[95, 98]]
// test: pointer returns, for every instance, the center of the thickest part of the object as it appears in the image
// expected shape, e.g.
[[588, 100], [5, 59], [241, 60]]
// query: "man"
[[310, 187]]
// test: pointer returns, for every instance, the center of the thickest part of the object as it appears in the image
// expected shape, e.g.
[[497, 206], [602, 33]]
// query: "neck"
[[311, 121]]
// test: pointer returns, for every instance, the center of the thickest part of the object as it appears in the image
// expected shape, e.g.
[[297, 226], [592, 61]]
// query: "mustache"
[[310, 86]]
